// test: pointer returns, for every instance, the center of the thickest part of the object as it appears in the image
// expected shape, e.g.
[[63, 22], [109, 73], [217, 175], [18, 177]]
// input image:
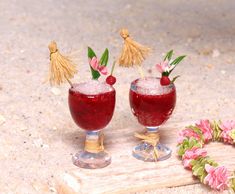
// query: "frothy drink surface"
[[92, 87], [151, 86]]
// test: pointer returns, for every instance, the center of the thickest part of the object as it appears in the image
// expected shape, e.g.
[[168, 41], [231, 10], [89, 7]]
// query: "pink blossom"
[[161, 67], [192, 154], [227, 128], [206, 129], [187, 133], [217, 177], [164, 66], [95, 64]]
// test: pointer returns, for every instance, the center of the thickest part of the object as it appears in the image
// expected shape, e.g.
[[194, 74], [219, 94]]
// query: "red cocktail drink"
[[92, 105], [152, 108], [91, 111]]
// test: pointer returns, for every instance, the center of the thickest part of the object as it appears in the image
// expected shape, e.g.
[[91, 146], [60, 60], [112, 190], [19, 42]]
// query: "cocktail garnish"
[[62, 68], [111, 80], [167, 66], [98, 66], [133, 53]]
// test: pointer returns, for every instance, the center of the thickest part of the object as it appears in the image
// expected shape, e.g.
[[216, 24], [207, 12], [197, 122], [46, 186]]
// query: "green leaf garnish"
[[177, 60], [173, 80], [105, 57], [169, 55], [91, 53]]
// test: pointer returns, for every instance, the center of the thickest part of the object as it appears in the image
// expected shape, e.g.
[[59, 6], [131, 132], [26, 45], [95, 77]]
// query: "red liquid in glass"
[[91, 112], [152, 110]]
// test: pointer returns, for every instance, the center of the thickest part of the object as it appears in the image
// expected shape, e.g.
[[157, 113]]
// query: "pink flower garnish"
[[164, 66], [227, 128], [187, 133], [95, 64], [192, 154], [206, 129], [217, 177]]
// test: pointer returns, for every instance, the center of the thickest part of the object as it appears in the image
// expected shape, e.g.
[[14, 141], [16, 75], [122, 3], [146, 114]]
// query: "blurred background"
[[34, 118]]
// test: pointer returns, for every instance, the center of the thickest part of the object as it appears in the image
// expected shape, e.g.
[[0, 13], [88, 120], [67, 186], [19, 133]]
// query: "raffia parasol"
[[62, 68], [133, 53]]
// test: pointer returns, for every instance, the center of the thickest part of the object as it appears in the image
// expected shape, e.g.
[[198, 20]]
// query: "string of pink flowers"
[[191, 141]]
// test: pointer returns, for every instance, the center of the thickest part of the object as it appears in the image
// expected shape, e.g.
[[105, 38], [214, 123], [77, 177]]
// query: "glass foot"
[[90, 160], [145, 152]]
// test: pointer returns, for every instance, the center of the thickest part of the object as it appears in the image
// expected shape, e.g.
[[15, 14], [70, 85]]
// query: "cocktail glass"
[[92, 105], [152, 104]]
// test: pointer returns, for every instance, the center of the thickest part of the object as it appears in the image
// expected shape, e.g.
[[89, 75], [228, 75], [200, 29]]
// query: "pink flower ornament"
[[206, 129], [164, 66], [192, 154], [196, 159], [217, 177], [187, 133], [227, 131], [95, 64]]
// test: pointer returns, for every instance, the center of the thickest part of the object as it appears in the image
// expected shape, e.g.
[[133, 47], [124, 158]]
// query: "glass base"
[[145, 152], [90, 160]]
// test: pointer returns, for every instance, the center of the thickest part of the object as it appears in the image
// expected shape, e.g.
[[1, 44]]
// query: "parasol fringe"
[[133, 53], [62, 68]]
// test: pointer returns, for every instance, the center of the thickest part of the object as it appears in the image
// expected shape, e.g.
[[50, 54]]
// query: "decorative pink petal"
[[227, 127], [206, 129], [162, 67], [94, 63], [208, 168], [192, 154], [103, 70], [180, 139], [186, 163], [217, 177], [159, 68], [189, 133]]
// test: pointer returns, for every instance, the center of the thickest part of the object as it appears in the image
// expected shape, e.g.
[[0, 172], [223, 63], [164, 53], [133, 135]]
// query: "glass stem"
[[152, 129], [94, 141], [153, 133]]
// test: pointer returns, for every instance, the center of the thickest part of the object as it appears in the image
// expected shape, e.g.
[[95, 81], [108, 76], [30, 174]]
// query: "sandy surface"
[[38, 135]]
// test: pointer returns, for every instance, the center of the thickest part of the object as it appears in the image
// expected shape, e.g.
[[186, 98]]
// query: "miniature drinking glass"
[[92, 105], [152, 104]]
